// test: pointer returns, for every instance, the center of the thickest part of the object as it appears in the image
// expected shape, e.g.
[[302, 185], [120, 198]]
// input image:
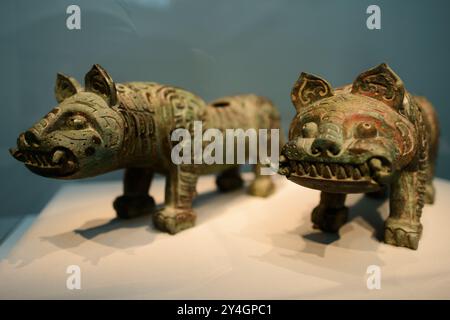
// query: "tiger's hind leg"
[[135, 200], [430, 192], [262, 185], [229, 180]]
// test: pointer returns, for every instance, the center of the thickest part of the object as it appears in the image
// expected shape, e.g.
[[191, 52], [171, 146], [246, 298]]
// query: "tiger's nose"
[[31, 139], [325, 146]]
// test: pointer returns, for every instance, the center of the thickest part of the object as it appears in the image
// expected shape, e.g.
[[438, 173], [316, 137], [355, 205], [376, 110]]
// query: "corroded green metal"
[[107, 126], [363, 138]]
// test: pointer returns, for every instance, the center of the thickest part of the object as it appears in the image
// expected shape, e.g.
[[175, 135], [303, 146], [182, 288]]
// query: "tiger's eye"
[[96, 140], [366, 130], [309, 130], [76, 122]]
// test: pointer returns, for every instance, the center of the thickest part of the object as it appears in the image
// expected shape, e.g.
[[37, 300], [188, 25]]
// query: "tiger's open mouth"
[[60, 162], [338, 177]]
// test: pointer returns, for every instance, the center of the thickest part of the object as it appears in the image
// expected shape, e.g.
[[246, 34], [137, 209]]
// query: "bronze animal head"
[[352, 139], [81, 136]]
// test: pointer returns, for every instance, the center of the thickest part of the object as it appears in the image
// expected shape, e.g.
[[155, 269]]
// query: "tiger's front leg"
[[403, 227], [331, 213], [180, 191], [135, 200]]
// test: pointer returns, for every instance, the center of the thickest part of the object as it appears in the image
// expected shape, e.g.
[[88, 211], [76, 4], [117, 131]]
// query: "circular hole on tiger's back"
[[221, 104]]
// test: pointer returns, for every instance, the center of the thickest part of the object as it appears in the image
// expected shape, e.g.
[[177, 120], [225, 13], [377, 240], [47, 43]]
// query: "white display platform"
[[242, 248]]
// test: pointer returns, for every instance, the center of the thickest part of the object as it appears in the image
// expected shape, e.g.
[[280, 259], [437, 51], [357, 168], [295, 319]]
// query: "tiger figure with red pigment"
[[371, 136]]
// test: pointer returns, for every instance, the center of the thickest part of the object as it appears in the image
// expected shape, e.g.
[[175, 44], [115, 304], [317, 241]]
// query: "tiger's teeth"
[[307, 167], [326, 172], [40, 160], [329, 171], [293, 165], [300, 169], [313, 171], [365, 171], [44, 160], [57, 156], [348, 170], [334, 167], [356, 174], [320, 168], [34, 159], [340, 174]]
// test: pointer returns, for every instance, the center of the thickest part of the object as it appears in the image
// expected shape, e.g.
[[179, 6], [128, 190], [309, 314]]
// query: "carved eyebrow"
[[371, 116], [309, 114], [72, 138], [86, 104]]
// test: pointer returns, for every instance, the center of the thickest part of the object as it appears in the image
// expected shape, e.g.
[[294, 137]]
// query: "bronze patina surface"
[[107, 126], [368, 137]]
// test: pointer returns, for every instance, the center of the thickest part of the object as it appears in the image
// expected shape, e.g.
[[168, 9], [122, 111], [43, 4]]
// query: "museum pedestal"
[[242, 248]]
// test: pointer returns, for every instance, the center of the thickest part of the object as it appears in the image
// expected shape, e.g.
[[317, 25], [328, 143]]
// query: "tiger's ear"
[[381, 83], [65, 87], [309, 89], [98, 81]]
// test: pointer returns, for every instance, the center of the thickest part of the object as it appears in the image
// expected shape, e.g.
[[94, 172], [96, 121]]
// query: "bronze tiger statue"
[[107, 126], [363, 138]]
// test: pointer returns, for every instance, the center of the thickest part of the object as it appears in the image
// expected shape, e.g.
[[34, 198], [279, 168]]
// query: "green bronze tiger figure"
[[367, 137], [107, 126]]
